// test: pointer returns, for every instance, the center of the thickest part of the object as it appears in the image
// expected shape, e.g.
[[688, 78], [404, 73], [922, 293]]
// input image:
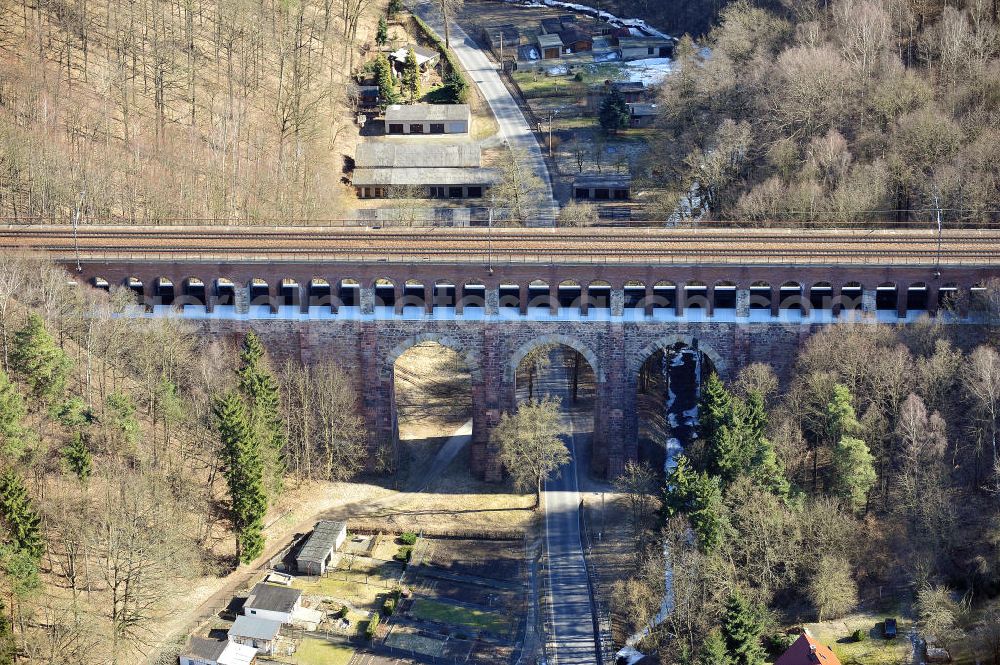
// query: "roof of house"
[[272, 598], [422, 54], [511, 34], [426, 112], [600, 43], [406, 177], [605, 180], [629, 86], [324, 537], [256, 628], [549, 41], [373, 154], [551, 25], [807, 651], [642, 109], [205, 648], [237, 654], [633, 42], [573, 35]]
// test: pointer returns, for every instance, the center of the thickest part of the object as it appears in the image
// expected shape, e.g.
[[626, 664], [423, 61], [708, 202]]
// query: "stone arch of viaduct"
[[637, 311]]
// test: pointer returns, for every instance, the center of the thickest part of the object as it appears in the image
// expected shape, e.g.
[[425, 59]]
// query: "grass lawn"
[[430, 610], [314, 651], [872, 651], [356, 593]]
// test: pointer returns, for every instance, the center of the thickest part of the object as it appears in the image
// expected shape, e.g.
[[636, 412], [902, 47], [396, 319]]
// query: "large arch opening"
[[225, 292], [724, 295], [432, 402], [164, 292], [564, 368], [320, 293], [195, 292], [671, 376], [385, 293], [886, 297]]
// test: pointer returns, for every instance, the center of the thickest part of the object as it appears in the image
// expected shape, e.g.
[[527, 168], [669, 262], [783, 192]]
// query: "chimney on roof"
[[812, 648]]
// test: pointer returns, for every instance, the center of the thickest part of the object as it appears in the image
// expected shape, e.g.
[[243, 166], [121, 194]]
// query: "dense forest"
[[176, 108], [139, 462], [846, 110], [868, 479]]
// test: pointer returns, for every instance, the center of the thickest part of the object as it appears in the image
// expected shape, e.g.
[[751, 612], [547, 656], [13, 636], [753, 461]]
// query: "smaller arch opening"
[[821, 296], [695, 295], [599, 294], [413, 293], [509, 294], [635, 295], [444, 293], [289, 293], [164, 291], [538, 293], [385, 293], [225, 291], [194, 291], [724, 295], [948, 296], [850, 296], [569, 293], [349, 292], [474, 295], [100, 283], [135, 285], [790, 296], [260, 292], [917, 297], [320, 293], [885, 297], [664, 295], [760, 295]]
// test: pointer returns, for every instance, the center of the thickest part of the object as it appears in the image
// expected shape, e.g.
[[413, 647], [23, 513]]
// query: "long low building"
[[428, 119], [416, 170]]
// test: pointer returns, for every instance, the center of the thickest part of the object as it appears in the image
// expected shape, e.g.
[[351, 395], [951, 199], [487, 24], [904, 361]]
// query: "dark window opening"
[[395, 128], [634, 295], [319, 295], [538, 296], [413, 295], [416, 129], [437, 128], [664, 296], [851, 297], [510, 296], [916, 297], [350, 295], [225, 294], [259, 294], [790, 297], [444, 296], [725, 297], [475, 192], [600, 296], [885, 298], [821, 297], [454, 192], [697, 297], [760, 297], [474, 296], [569, 296], [289, 294], [385, 295]]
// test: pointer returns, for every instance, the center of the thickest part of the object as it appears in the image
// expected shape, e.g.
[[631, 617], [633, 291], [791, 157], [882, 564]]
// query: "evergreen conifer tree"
[[382, 33], [17, 513], [12, 409], [713, 649], [244, 473], [77, 456], [614, 113], [8, 647], [263, 407], [38, 361], [742, 628], [411, 76]]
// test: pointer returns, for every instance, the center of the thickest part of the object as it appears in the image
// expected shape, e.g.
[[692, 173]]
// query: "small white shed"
[[277, 603]]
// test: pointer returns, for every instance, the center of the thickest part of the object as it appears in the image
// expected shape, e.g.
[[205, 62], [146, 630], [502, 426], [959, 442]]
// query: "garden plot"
[[412, 640], [490, 597], [496, 560], [469, 618]]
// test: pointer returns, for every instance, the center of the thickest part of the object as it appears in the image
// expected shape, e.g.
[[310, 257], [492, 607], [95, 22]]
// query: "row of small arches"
[[542, 294]]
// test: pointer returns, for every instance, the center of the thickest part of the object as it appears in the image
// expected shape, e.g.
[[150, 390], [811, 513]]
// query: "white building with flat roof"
[[428, 119]]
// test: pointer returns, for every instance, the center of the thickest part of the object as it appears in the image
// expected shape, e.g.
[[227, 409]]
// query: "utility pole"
[[76, 223], [937, 263], [501, 50]]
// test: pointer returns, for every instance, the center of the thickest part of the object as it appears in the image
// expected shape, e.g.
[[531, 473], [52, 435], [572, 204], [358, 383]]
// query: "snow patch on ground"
[[630, 23], [651, 71]]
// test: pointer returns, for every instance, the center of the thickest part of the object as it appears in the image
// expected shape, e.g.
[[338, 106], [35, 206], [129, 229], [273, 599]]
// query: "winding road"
[[513, 125]]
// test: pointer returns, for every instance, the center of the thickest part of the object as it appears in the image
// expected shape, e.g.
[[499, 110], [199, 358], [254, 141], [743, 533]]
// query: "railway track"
[[449, 245]]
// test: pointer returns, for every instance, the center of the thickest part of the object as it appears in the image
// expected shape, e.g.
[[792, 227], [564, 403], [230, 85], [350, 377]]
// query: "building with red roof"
[[807, 651]]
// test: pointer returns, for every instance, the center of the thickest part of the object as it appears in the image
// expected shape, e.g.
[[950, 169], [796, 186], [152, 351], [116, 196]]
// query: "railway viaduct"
[[361, 297]]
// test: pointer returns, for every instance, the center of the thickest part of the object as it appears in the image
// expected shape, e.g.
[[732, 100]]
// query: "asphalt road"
[[571, 609], [513, 125]]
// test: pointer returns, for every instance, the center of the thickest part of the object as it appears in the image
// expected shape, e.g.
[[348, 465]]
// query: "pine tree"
[[614, 114], [37, 360], [263, 401], [715, 409], [77, 456], [12, 409], [742, 627], [854, 472], [699, 496], [840, 417], [382, 71], [382, 33], [713, 649], [244, 473], [411, 76], [18, 515]]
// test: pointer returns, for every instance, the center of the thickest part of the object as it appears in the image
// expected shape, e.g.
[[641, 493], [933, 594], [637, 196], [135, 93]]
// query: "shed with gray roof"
[[428, 119], [317, 552], [256, 632]]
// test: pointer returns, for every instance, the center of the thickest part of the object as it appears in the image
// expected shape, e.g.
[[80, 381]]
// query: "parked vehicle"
[[889, 629]]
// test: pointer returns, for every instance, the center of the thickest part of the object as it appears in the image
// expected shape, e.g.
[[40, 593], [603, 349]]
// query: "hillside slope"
[[176, 108]]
